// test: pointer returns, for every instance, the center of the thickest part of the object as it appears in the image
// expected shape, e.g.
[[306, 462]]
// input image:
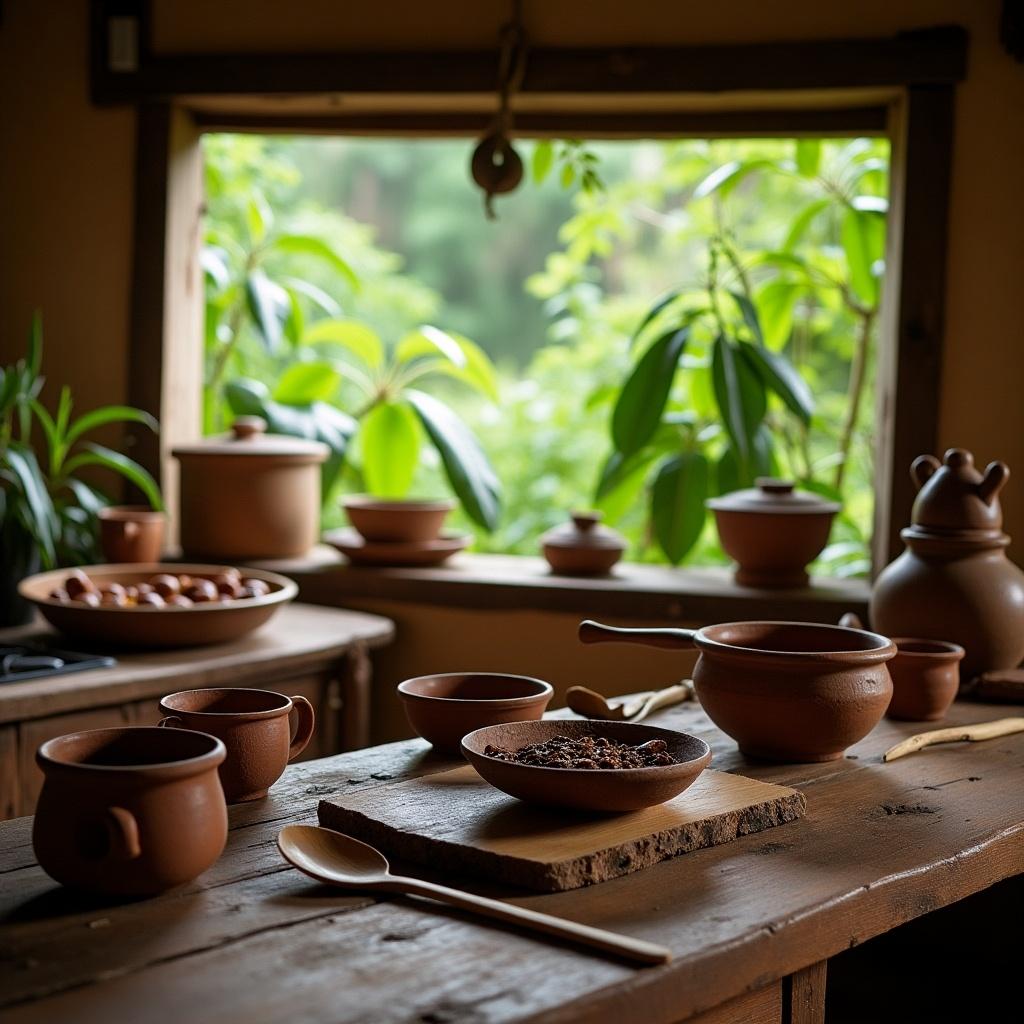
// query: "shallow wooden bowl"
[[211, 623], [619, 789]]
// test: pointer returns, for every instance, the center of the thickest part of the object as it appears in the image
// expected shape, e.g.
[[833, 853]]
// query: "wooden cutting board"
[[456, 821]]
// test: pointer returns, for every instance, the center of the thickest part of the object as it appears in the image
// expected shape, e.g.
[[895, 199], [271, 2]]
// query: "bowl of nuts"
[[157, 605], [587, 765]]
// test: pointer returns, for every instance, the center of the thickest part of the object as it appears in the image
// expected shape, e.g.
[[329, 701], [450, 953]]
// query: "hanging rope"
[[496, 166]]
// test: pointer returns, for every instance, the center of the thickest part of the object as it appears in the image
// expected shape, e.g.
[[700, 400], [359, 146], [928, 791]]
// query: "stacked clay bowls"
[[406, 522], [610, 790], [444, 708]]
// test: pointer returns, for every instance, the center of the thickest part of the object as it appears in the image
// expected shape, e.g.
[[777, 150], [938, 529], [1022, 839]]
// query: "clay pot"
[[954, 582], [925, 679], [378, 519], [444, 708], [255, 728], [250, 494], [785, 691], [617, 790], [129, 812], [582, 547], [131, 533], [773, 531]]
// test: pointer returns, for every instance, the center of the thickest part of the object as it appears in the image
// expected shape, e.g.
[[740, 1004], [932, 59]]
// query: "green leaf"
[[739, 393], [316, 295], [775, 302], [304, 383], [863, 237], [363, 342], [49, 428], [310, 245], [108, 414], [622, 481], [99, 455], [42, 523], [474, 369], [258, 217], [543, 160], [212, 258], [725, 178], [87, 497], [269, 306], [662, 303], [733, 473], [782, 377], [802, 221], [470, 474], [428, 340], [390, 437], [750, 317], [638, 410], [808, 156], [295, 321], [568, 175], [677, 504]]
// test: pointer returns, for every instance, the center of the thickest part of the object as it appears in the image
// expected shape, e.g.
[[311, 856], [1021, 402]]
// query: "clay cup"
[[131, 533], [255, 727], [925, 679]]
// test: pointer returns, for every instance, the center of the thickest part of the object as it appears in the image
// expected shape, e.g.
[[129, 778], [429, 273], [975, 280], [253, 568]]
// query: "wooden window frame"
[[902, 87]]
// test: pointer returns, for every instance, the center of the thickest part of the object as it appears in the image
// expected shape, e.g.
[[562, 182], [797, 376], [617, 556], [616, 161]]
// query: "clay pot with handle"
[[954, 582], [131, 533], [785, 691]]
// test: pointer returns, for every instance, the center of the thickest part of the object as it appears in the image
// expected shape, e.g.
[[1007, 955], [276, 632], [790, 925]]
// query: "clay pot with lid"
[[954, 582], [131, 811], [773, 531], [250, 494], [582, 547], [785, 691]]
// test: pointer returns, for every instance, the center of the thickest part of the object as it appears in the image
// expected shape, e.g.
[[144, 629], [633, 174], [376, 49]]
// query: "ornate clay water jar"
[[954, 581]]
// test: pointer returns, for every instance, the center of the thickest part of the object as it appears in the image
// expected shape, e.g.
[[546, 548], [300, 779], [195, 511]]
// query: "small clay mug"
[[255, 726], [131, 533], [131, 811], [925, 679]]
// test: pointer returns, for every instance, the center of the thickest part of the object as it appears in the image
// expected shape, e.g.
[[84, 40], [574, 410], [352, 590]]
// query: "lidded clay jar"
[[954, 582], [250, 494], [773, 531], [582, 547]]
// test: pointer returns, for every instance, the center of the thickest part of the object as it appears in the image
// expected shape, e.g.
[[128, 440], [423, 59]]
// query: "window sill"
[[633, 591]]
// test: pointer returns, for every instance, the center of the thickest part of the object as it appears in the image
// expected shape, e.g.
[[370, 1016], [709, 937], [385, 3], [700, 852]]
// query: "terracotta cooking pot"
[[444, 708], [255, 727], [129, 812], [785, 691], [378, 519], [582, 547], [131, 533]]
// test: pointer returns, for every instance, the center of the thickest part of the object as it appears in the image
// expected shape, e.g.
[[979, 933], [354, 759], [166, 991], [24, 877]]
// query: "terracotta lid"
[[773, 496], [584, 531], [248, 437], [954, 495]]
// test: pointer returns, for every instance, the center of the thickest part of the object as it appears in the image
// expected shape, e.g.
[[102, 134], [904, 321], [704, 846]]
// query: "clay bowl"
[[617, 790], [443, 708], [793, 692], [925, 679], [360, 551], [380, 520], [210, 623]]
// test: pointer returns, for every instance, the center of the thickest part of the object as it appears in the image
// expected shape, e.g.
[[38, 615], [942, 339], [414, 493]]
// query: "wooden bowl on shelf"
[[210, 622]]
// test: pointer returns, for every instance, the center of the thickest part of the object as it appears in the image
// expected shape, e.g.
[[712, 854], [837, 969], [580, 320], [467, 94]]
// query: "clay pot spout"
[[591, 632]]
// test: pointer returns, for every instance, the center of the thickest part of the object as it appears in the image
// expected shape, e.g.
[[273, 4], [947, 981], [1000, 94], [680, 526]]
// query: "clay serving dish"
[[209, 623], [925, 679], [785, 691], [378, 519], [773, 531], [619, 789], [129, 812], [360, 551], [582, 547], [255, 727], [443, 708], [131, 533]]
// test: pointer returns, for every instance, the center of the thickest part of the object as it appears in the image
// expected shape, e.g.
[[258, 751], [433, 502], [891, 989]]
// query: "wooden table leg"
[[804, 995], [355, 698]]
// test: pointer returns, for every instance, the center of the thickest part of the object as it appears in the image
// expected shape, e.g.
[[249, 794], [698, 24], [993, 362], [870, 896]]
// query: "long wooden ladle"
[[336, 859], [591, 704]]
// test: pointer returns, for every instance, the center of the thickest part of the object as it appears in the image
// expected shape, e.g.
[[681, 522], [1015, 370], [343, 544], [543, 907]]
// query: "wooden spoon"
[[337, 859], [590, 704]]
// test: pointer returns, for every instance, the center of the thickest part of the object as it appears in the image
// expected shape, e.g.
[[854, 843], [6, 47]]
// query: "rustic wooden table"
[[320, 653], [751, 923]]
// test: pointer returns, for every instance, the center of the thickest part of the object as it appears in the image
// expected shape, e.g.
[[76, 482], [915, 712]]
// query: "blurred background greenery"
[[391, 233]]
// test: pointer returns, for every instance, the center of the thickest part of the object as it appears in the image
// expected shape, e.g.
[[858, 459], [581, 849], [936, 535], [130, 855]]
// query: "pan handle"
[[591, 632]]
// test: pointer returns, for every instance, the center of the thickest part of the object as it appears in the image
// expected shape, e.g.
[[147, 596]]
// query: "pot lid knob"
[[586, 521], [246, 427], [771, 485], [954, 495]]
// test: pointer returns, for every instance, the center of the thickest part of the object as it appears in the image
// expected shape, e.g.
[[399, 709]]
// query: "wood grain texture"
[[806, 995], [456, 819], [251, 940]]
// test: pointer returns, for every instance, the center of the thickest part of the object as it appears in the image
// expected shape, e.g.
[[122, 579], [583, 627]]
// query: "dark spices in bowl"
[[587, 752]]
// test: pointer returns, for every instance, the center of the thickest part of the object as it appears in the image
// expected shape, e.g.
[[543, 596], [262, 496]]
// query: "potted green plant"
[[47, 512]]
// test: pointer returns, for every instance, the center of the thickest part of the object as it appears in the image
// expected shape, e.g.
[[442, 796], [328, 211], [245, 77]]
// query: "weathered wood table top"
[[254, 940]]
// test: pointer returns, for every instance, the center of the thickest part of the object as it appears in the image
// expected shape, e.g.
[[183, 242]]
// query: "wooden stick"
[[966, 733]]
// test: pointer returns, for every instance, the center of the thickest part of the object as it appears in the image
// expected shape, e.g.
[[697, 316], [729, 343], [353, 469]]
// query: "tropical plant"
[[393, 418], [47, 511]]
